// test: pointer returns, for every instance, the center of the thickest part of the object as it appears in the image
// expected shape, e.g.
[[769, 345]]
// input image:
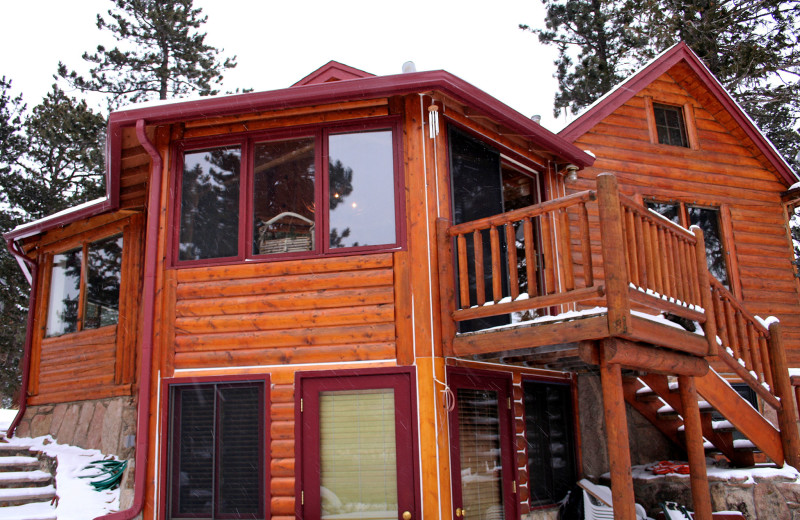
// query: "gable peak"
[[333, 71]]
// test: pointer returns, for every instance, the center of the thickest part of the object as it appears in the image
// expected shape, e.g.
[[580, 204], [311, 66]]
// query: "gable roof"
[[317, 88], [332, 71], [679, 54]]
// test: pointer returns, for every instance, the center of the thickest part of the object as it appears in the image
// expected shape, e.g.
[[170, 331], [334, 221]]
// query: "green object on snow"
[[110, 470]]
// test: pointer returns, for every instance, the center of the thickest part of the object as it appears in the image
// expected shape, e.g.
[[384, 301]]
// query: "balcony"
[[596, 279]]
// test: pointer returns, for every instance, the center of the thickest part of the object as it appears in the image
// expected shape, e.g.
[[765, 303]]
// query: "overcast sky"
[[277, 43]]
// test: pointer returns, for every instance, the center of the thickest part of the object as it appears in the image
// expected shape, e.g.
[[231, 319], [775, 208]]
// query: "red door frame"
[[307, 449], [502, 384]]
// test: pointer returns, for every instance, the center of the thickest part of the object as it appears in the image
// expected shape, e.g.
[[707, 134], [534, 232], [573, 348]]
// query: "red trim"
[[636, 83], [403, 380], [500, 382], [148, 315], [333, 71], [166, 426]]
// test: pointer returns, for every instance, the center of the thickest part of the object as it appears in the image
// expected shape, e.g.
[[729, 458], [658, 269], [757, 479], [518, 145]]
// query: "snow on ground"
[[77, 500], [738, 475], [6, 417]]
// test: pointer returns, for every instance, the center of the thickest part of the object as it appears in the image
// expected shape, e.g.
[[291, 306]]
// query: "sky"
[[278, 43]]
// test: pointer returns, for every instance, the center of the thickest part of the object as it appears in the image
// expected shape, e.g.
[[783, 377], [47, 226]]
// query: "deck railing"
[[647, 261]]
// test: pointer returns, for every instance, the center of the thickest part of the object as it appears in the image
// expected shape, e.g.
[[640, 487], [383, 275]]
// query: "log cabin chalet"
[[394, 297]]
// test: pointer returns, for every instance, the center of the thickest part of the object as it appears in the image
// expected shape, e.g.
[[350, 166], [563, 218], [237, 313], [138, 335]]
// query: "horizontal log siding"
[[134, 172], [726, 169], [304, 311], [79, 364]]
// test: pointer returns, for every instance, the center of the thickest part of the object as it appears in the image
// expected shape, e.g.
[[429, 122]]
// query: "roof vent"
[[409, 67], [537, 119]]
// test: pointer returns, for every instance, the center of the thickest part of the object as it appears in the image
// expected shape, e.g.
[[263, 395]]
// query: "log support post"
[[787, 414], [612, 244], [701, 497], [618, 444], [706, 299], [447, 289]]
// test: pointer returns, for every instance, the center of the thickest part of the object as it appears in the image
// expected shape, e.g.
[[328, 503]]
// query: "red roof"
[[681, 52], [312, 90], [333, 71]]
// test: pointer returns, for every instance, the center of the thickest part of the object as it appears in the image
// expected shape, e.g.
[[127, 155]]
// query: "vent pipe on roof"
[[536, 119], [409, 67]]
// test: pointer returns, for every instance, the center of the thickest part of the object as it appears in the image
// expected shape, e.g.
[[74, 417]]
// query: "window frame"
[[574, 432], [307, 472], [247, 142], [726, 238], [83, 242], [166, 455]]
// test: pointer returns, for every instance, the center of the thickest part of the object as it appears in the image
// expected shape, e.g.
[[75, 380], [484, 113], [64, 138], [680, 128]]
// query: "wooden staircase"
[[657, 399], [26, 484]]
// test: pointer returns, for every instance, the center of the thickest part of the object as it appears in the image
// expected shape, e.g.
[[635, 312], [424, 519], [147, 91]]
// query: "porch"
[[596, 281]]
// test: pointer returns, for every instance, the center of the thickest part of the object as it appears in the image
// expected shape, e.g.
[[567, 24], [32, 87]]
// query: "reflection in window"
[[361, 189], [210, 204], [283, 196], [104, 267], [65, 287], [670, 126]]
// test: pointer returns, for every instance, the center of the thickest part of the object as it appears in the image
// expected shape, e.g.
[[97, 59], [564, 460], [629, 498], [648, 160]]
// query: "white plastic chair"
[[597, 503]]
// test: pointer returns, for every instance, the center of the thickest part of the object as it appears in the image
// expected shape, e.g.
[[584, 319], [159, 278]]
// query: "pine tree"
[[751, 46], [50, 159], [162, 54]]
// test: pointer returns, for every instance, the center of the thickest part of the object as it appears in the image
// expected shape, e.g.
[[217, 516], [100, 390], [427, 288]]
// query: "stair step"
[[19, 496], [9, 450], [33, 511], [12, 479], [18, 463]]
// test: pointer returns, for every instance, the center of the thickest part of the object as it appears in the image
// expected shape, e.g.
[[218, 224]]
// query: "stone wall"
[[108, 425], [647, 443]]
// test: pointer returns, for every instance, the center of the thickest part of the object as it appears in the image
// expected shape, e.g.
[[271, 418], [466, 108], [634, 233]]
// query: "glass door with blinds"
[[358, 447], [482, 458]]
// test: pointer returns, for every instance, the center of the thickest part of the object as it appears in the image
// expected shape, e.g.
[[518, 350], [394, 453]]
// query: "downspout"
[[148, 306], [32, 276]]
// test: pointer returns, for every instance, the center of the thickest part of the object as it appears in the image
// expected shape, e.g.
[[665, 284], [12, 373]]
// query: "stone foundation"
[[756, 497], [108, 425]]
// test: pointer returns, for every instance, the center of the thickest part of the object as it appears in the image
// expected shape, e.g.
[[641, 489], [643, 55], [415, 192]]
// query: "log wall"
[[722, 169]]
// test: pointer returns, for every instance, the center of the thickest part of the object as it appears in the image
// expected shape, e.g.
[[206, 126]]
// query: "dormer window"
[[670, 125]]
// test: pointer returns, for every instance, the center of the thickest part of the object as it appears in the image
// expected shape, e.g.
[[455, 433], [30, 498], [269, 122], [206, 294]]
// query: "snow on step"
[[38, 511], [16, 477], [13, 494], [18, 461]]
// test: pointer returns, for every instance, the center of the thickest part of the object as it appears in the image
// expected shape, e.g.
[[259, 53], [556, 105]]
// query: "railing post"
[[706, 300], [612, 245], [787, 414], [447, 290]]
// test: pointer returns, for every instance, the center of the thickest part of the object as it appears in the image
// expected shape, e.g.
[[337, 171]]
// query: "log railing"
[[502, 267]]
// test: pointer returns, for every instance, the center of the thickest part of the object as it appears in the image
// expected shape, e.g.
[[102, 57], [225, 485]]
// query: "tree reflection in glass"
[[65, 286], [361, 189], [104, 265], [283, 196], [210, 204]]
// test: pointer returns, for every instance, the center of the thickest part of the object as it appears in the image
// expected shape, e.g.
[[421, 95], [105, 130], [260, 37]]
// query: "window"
[[76, 304], [217, 451], [357, 446], [670, 125], [549, 435], [299, 194], [707, 219]]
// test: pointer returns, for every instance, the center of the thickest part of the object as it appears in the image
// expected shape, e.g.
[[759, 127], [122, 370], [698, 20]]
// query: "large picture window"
[[301, 194], [217, 455], [84, 287]]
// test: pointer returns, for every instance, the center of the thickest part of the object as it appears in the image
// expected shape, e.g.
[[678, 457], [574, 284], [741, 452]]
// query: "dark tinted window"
[[670, 125], [217, 451], [104, 268], [209, 226], [549, 433], [707, 219]]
